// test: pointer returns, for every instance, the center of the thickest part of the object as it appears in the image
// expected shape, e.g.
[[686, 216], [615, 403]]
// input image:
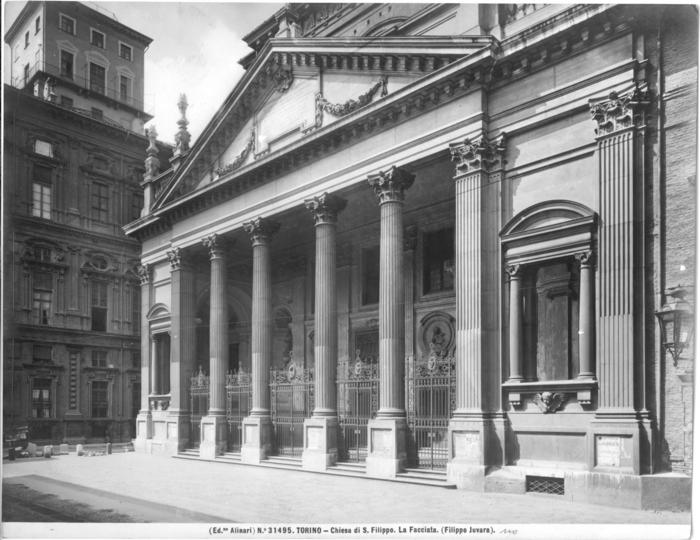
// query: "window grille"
[[544, 484]]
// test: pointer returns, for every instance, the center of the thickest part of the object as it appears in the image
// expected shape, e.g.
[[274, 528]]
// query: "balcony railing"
[[83, 83]]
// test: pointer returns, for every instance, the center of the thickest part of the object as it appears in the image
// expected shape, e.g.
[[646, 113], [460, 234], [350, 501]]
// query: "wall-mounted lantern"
[[677, 322]]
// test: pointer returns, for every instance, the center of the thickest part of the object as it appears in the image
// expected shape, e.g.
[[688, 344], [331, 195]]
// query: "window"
[[97, 78], [99, 263], [136, 206], [42, 253], [161, 384], [26, 40], [97, 39], [41, 200], [44, 148], [96, 113], [370, 275], [125, 51], [66, 102], [41, 398], [26, 73], [42, 174], [136, 312], [41, 297], [67, 24], [66, 64], [99, 359], [100, 202], [100, 402], [123, 88], [37, 25], [99, 306], [136, 360], [438, 261], [42, 354]]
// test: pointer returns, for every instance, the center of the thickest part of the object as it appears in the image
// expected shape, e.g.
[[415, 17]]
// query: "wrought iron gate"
[[292, 397], [238, 403], [358, 401], [430, 401], [199, 405]]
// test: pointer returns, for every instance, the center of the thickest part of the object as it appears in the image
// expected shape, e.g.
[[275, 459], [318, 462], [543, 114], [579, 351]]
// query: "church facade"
[[433, 239]]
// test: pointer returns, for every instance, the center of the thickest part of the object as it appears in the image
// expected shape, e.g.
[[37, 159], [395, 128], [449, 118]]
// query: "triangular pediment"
[[297, 86]]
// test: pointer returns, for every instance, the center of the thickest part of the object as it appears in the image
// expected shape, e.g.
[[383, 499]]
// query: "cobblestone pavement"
[[169, 490]]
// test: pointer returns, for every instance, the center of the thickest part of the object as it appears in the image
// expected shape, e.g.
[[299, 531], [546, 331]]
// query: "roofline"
[[29, 8]]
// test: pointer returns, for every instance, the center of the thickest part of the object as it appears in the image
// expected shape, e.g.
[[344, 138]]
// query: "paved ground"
[[145, 488]]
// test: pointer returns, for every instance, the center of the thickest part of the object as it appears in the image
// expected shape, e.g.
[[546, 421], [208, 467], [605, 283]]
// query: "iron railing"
[[358, 401], [199, 405], [238, 403], [430, 400], [292, 397]]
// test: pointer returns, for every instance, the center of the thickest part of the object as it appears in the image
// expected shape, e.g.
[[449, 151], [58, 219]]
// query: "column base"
[[257, 439], [144, 432], [320, 443], [178, 433], [214, 438], [387, 447], [467, 445]]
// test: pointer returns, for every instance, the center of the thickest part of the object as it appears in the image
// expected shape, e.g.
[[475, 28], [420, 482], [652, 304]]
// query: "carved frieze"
[[343, 109], [549, 402], [100, 163], [479, 154], [261, 230], [326, 208], [620, 111], [437, 334], [391, 186]]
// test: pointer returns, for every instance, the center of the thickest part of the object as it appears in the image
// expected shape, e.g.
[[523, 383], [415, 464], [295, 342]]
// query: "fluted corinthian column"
[[622, 407], [320, 432], [214, 439], [475, 424], [182, 348], [257, 427], [143, 420], [387, 433]]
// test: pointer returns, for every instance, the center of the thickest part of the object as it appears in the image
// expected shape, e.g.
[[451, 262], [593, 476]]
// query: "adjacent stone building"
[[74, 155], [434, 237]]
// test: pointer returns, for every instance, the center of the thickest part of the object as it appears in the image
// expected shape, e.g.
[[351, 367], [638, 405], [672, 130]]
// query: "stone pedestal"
[[467, 450], [320, 443], [213, 437], [144, 432], [257, 439], [178, 433], [387, 447]]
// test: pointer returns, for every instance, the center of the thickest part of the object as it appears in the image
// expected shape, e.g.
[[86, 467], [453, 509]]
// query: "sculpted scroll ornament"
[[343, 109], [144, 272], [240, 158], [326, 208], [480, 153], [261, 230], [283, 79], [549, 402], [620, 111], [391, 185]]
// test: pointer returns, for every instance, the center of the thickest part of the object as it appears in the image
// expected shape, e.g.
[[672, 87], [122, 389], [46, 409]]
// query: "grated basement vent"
[[544, 484]]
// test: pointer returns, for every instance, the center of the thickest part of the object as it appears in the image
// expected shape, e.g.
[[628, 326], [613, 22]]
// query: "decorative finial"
[[182, 105], [152, 161], [182, 137]]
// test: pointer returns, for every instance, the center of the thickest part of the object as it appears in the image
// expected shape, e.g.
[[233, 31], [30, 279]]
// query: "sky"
[[195, 50]]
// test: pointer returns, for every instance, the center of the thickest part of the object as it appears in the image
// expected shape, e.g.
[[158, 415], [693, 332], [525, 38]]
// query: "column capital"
[[144, 272], [585, 258], [325, 208], [179, 259], [216, 245], [620, 110], [390, 186], [480, 153], [515, 271], [261, 230]]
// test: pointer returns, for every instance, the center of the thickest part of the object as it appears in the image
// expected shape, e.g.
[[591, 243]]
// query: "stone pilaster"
[[387, 433], [214, 437], [182, 349], [474, 428], [620, 325], [144, 426], [322, 451], [257, 428]]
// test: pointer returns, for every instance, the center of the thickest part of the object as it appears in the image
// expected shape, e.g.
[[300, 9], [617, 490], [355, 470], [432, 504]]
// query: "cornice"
[[23, 17], [35, 224]]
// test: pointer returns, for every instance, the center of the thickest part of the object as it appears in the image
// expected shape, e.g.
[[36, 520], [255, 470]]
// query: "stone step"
[[422, 481], [284, 460], [427, 474], [348, 467]]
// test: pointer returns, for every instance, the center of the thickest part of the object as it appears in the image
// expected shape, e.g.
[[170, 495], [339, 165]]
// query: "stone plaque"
[[466, 445], [381, 441], [172, 431], [285, 112], [159, 428], [251, 434], [313, 437], [613, 451]]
